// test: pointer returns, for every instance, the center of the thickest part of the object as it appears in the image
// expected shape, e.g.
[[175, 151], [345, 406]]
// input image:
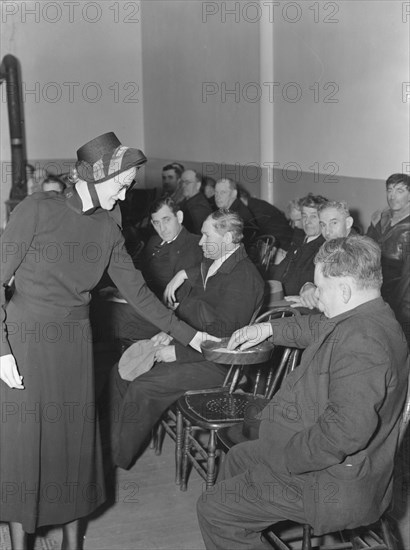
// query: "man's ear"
[[346, 291], [180, 216], [349, 222], [228, 237]]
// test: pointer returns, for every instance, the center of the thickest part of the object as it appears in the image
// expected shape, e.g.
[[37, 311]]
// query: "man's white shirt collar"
[[217, 263]]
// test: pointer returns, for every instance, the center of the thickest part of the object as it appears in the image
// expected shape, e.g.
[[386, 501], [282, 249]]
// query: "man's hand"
[[295, 301], [166, 354], [279, 256], [250, 336], [161, 339], [172, 287], [201, 337], [307, 297], [9, 372]]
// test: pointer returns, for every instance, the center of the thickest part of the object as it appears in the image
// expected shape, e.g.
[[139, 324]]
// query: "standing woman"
[[390, 228], [57, 248]]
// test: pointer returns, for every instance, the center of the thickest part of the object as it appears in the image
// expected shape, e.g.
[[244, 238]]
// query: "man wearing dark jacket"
[[216, 298], [195, 205], [297, 267], [328, 438], [269, 219], [227, 196], [172, 248]]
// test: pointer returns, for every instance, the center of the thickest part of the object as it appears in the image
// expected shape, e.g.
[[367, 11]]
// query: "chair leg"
[[185, 454], [356, 541], [388, 537], [153, 442], [159, 438], [307, 543], [179, 440], [210, 467]]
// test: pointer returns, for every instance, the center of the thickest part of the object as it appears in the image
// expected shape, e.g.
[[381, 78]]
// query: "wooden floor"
[[150, 512]]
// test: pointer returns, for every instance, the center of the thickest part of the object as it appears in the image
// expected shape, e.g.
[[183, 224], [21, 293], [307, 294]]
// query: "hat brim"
[[137, 360], [133, 159]]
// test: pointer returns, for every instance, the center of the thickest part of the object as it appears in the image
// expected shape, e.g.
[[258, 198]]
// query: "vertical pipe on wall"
[[266, 108], [10, 72]]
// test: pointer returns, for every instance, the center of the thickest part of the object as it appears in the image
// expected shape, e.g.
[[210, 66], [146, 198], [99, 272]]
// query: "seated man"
[[195, 205], [328, 437], [297, 267], [173, 248], [227, 196], [335, 222], [171, 176], [269, 219], [222, 293]]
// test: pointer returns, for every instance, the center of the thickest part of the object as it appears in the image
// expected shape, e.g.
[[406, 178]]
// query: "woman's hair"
[[53, 183], [294, 204], [395, 179], [355, 256], [225, 220]]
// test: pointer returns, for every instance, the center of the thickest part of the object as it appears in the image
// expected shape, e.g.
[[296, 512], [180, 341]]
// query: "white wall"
[[92, 42], [186, 53], [365, 133], [180, 45]]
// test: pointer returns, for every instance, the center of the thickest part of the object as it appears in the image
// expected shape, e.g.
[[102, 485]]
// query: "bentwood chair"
[[208, 410], [265, 245], [168, 425], [290, 535]]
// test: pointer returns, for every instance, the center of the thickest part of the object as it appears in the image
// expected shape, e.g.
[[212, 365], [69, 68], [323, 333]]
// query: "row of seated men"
[[218, 293], [198, 196], [171, 249], [311, 219], [176, 269]]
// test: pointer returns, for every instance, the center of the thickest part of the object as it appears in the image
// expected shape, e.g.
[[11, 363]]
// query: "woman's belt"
[[75, 313]]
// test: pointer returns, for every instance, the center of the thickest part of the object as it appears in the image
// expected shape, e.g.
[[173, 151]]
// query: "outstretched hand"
[[9, 372], [161, 339], [249, 336], [165, 354], [202, 337], [172, 287]]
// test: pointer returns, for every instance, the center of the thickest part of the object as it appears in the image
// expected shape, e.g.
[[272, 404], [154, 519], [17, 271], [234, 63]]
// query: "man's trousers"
[[138, 405], [247, 498]]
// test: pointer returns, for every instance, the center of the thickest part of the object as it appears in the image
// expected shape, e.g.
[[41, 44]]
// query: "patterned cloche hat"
[[104, 157]]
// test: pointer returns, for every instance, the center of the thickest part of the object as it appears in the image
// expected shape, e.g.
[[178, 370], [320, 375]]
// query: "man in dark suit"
[[297, 267], [216, 298], [227, 196], [269, 219], [328, 437], [195, 205], [335, 222], [172, 248]]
